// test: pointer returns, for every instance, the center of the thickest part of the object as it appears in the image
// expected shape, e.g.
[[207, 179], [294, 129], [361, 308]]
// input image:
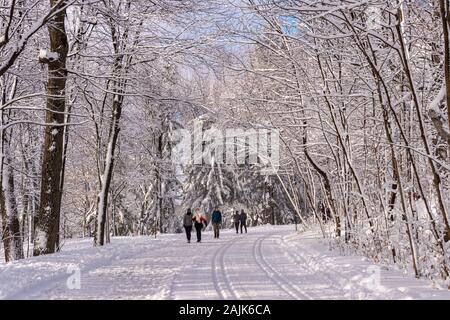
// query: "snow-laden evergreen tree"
[[209, 182]]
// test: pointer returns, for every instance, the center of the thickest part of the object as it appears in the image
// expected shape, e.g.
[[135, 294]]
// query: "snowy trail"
[[267, 263]]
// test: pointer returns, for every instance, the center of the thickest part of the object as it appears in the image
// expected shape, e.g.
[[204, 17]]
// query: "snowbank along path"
[[267, 263]]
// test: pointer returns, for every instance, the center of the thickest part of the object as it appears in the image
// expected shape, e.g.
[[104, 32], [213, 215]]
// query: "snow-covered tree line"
[[234, 185], [358, 90], [91, 93]]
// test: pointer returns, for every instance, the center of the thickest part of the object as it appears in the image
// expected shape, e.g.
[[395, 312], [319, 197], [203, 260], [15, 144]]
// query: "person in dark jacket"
[[237, 220], [243, 218], [216, 219], [187, 224], [200, 222]]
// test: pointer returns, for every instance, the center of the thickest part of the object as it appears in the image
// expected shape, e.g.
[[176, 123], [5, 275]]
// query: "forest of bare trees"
[[92, 92]]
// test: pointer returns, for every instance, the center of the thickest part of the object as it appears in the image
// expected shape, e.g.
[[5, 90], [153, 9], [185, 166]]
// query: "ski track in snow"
[[267, 263], [279, 280], [219, 273]]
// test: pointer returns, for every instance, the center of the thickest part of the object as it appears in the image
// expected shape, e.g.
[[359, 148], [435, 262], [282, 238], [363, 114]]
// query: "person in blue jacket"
[[216, 220]]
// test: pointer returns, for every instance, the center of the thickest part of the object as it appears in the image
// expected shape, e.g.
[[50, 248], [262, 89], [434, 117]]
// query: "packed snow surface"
[[270, 262]]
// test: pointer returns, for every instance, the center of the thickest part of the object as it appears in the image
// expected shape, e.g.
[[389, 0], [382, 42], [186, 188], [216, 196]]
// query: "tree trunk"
[[160, 184], [47, 219], [445, 19], [64, 157], [12, 238], [102, 199]]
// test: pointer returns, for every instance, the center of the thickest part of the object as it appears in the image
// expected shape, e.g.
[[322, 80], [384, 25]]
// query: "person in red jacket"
[[199, 222]]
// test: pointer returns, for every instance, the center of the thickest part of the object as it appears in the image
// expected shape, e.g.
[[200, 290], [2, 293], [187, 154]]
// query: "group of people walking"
[[199, 222], [240, 219]]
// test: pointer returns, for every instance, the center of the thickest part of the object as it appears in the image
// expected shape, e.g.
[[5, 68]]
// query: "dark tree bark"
[[57, 9], [47, 219]]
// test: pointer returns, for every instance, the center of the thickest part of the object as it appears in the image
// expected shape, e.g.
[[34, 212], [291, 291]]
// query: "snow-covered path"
[[267, 263]]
